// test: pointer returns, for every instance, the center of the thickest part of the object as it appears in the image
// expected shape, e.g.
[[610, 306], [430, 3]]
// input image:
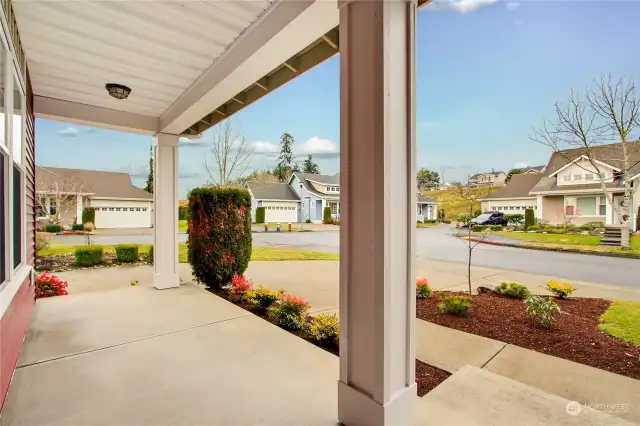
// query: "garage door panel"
[[286, 213], [122, 217]]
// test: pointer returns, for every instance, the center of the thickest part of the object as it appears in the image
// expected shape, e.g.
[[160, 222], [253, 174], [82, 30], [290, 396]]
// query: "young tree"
[[57, 195], [427, 179], [310, 167], [230, 156], [511, 173], [285, 161], [149, 187], [608, 113], [470, 198]]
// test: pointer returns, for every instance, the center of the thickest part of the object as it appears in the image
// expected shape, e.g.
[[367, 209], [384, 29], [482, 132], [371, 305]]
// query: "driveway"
[[438, 243]]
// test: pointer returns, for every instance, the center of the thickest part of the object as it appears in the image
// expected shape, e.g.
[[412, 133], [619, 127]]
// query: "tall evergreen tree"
[[285, 160], [310, 167], [149, 187]]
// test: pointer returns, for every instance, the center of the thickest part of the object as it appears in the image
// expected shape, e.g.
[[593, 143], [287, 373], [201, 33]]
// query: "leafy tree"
[[511, 173], [427, 179], [149, 187], [285, 160], [310, 167]]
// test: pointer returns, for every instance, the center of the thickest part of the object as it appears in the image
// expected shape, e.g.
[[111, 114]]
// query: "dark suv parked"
[[489, 218]]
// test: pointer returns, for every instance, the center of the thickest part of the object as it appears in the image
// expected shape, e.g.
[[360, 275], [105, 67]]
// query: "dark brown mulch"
[[427, 376], [66, 262], [575, 336]]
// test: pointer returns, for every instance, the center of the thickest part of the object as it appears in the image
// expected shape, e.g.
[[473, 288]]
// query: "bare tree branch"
[[230, 154]]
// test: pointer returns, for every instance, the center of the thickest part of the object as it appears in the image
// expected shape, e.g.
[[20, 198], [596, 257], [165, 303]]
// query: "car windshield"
[[484, 216]]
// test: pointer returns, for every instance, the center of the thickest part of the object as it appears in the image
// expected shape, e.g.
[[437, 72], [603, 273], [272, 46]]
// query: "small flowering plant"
[[423, 290], [290, 312], [560, 288], [48, 285], [239, 286]]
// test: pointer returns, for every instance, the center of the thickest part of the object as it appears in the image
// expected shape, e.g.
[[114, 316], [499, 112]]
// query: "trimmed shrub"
[[77, 227], [514, 219], [594, 225], [289, 312], [150, 256], [496, 228], [183, 213], [512, 289], [324, 328], [458, 305], [326, 216], [529, 218], [542, 310], [52, 228], [560, 288], [219, 234], [259, 214], [88, 215], [88, 255], [464, 218], [534, 228], [307, 221], [127, 253], [240, 285], [430, 221], [423, 290], [441, 215], [89, 226], [262, 297], [48, 285], [478, 228]]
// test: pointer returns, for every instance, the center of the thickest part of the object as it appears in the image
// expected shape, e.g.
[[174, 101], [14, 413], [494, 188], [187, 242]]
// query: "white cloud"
[[68, 132], [460, 6], [521, 165], [264, 147], [513, 5], [319, 148], [194, 142]]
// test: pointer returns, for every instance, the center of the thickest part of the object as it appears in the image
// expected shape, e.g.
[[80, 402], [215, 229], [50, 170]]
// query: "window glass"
[[566, 178], [17, 216], [3, 201], [18, 111], [577, 177], [586, 206]]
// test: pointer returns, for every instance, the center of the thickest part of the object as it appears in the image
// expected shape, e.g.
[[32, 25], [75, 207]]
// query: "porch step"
[[612, 236]]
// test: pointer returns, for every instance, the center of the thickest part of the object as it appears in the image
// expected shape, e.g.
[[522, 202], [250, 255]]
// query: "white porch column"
[[539, 202], [165, 211], [79, 209], [377, 233]]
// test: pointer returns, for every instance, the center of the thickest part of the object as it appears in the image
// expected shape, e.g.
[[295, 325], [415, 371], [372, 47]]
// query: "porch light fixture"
[[117, 91]]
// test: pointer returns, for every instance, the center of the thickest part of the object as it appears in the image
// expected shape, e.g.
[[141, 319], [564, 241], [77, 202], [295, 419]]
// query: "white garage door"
[[122, 217], [283, 213]]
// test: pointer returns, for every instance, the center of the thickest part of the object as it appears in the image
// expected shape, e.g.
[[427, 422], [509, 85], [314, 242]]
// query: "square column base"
[[165, 281], [358, 409]]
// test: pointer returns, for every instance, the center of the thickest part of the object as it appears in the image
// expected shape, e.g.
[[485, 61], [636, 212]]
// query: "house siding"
[[30, 176], [309, 213], [553, 208]]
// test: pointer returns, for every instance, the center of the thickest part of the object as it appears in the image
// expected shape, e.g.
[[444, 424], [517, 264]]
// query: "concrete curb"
[[557, 249]]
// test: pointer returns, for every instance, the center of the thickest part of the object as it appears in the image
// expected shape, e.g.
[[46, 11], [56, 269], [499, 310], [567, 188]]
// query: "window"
[[566, 178], [137, 209], [3, 200], [577, 177], [118, 209], [334, 208], [111, 209], [602, 206], [589, 176], [144, 209], [17, 215], [586, 206]]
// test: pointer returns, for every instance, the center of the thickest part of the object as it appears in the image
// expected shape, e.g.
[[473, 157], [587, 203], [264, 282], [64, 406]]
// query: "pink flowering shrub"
[[48, 285], [240, 286], [289, 312], [423, 290]]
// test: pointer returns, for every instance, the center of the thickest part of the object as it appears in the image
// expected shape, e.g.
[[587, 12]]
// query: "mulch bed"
[[66, 262], [427, 376], [575, 336]]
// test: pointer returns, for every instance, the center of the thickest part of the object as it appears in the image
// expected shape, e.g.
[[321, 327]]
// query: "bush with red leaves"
[[48, 285]]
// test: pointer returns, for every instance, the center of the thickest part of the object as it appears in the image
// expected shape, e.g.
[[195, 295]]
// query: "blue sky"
[[487, 73]]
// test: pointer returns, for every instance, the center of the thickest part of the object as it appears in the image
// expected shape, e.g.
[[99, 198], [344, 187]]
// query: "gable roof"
[[324, 179], [273, 191], [95, 182], [533, 169], [498, 173], [518, 187], [422, 199]]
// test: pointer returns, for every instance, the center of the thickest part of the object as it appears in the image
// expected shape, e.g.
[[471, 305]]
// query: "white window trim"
[[574, 203]]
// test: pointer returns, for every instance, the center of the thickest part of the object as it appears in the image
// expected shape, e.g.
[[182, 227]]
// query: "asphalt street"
[[439, 243]]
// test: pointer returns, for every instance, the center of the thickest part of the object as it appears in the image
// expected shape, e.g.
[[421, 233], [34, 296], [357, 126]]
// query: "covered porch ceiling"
[[189, 64]]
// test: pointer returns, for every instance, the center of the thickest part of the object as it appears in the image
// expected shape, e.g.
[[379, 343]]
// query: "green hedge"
[[220, 234], [259, 214], [53, 228], [478, 228], [326, 218], [150, 256], [529, 218], [497, 228], [127, 253], [77, 227], [88, 255], [183, 213], [88, 215]]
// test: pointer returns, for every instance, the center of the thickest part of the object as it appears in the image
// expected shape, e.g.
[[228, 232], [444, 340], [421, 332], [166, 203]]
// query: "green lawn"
[[622, 320], [284, 226], [183, 226], [571, 241], [258, 253]]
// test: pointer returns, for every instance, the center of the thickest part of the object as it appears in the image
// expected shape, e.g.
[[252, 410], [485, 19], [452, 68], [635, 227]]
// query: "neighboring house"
[[280, 202], [569, 190], [513, 198], [118, 203], [492, 178], [306, 196], [533, 169]]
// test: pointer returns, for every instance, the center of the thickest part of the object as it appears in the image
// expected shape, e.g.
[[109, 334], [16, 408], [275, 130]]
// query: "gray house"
[[305, 197]]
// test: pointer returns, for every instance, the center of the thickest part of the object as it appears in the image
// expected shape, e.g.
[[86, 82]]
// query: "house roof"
[[422, 199], [519, 186], [498, 173], [532, 169], [95, 182], [273, 191], [609, 154], [325, 179]]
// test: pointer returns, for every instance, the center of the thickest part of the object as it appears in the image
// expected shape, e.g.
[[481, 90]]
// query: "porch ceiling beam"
[[263, 83], [88, 115], [331, 38], [291, 64]]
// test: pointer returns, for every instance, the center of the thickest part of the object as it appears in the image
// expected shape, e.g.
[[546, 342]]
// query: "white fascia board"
[[149, 200], [323, 183], [280, 201], [89, 115], [283, 30], [577, 192], [583, 157], [507, 198]]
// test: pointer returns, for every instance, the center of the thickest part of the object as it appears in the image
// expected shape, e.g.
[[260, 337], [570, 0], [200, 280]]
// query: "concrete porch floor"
[[117, 354]]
